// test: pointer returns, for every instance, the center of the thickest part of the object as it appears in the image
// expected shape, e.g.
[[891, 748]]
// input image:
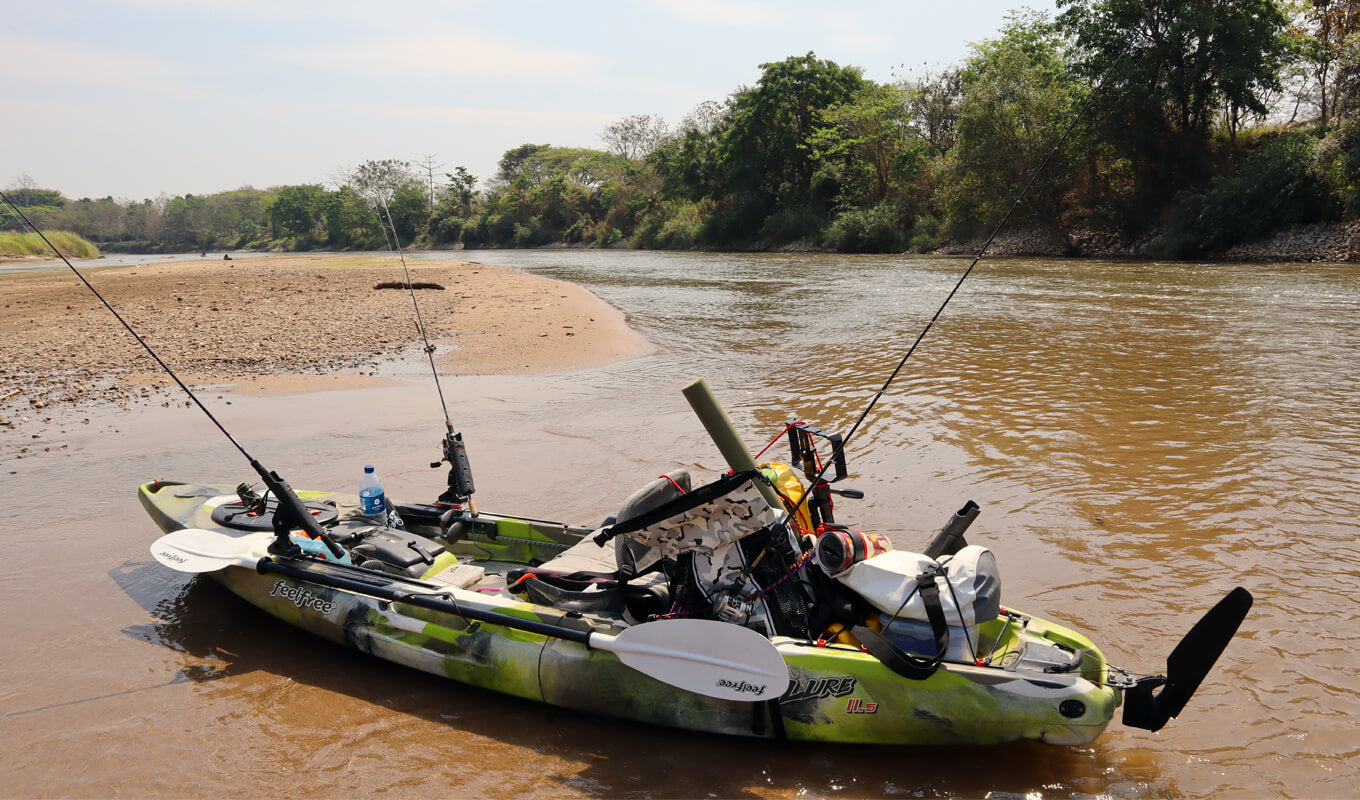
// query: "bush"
[[1338, 156], [446, 230], [30, 244], [791, 224], [866, 230], [927, 235], [1276, 186]]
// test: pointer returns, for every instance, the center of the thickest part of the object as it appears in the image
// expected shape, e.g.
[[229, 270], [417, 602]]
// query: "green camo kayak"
[[1029, 678]]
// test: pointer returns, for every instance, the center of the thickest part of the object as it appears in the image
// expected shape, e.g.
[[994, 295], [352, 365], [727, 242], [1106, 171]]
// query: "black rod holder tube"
[[950, 538]]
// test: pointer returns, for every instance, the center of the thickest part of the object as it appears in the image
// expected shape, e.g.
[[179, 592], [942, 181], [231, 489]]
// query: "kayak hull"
[[837, 693]]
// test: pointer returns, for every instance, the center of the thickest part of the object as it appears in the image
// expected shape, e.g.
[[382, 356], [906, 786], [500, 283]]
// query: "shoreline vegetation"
[[29, 246], [1227, 131], [1315, 242]]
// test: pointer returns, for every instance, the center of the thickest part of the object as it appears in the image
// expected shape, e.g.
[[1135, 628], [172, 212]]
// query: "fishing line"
[[140, 340], [1081, 112], [455, 453], [420, 322]]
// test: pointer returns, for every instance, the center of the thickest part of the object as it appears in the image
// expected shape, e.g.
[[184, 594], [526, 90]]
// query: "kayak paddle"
[[715, 659]]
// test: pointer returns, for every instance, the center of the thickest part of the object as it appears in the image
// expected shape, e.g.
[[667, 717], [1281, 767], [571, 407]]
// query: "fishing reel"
[[252, 502]]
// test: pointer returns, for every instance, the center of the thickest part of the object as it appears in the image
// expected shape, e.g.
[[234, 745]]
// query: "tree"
[[635, 136], [297, 210], [410, 216], [514, 165], [428, 166], [868, 135], [1338, 155], [933, 103], [350, 219], [187, 222], [377, 181], [1328, 24], [144, 219], [704, 118], [462, 188], [25, 193], [1172, 67], [765, 149], [1017, 100]]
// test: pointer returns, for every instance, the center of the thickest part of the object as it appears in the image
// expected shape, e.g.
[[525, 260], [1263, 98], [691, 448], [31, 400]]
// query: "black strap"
[[704, 494], [910, 666]]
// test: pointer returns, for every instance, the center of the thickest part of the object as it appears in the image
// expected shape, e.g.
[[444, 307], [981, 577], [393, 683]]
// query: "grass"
[[30, 244]]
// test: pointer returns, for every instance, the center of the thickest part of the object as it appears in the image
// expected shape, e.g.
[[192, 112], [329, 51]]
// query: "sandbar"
[[289, 323]]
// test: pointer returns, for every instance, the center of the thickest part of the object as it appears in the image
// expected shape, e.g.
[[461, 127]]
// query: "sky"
[[138, 98]]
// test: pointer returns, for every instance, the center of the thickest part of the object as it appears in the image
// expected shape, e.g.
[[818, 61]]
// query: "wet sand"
[[286, 323]]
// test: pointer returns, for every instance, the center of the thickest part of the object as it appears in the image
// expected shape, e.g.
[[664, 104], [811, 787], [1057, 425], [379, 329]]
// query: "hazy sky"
[[133, 98]]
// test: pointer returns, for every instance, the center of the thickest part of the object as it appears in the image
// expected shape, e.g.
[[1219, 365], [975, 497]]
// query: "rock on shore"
[[1337, 241]]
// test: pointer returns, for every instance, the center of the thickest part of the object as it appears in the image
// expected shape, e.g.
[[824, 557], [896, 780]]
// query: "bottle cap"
[[368, 468]]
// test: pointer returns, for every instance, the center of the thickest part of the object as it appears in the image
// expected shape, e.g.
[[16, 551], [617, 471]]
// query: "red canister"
[[839, 547]]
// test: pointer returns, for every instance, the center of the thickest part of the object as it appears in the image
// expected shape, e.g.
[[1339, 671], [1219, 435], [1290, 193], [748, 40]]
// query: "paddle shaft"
[[336, 577], [624, 648]]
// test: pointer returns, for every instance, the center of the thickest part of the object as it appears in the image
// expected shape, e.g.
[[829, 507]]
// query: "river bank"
[[1323, 241], [1317, 242], [281, 323]]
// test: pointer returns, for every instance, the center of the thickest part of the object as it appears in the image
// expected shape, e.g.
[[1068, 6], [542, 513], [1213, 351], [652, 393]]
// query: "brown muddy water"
[[1141, 438]]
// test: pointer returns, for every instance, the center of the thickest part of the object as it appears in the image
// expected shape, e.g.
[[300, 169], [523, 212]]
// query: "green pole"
[[724, 435]]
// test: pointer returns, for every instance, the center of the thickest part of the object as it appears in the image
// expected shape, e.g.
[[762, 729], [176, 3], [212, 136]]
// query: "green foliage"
[[927, 234], [1174, 67], [791, 225], [1017, 99], [814, 152], [378, 181], [410, 212], [933, 105], [529, 165], [30, 244], [351, 223], [297, 210], [688, 165], [866, 230], [1338, 155], [870, 138], [1276, 186], [765, 155]]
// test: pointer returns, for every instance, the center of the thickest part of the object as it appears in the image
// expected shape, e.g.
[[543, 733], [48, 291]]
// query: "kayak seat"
[[591, 592]]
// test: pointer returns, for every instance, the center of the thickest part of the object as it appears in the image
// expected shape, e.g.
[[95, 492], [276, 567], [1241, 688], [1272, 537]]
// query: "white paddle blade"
[[715, 659], [198, 550]]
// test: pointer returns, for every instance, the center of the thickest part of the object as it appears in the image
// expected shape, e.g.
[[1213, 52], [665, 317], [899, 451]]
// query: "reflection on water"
[[1141, 437]]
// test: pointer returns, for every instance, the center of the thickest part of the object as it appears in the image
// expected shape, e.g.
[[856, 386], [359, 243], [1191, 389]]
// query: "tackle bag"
[[968, 587]]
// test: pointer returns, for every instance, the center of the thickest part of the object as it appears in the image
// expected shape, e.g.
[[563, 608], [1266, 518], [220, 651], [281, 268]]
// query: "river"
[[1141, 437]]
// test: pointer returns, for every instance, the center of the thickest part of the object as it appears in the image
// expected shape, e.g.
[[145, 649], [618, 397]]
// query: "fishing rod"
[[839, 448], [455, 451], [290, 511]]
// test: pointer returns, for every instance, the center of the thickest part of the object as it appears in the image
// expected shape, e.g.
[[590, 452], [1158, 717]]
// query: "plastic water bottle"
[[372, 500]]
